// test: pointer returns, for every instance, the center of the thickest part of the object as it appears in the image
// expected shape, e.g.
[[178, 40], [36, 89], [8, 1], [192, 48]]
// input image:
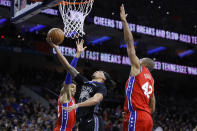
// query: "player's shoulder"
[[101, 86], [138, 73], [144, 69], [96, 83], [146, 73]]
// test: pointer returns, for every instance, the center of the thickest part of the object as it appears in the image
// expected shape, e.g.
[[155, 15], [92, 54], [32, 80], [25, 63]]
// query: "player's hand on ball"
[[70, 108], [80, 47], [123, 15], [51, 43]]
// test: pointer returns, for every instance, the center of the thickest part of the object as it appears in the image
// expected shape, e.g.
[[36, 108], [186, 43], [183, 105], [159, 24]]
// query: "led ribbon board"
[[146, 30], [124, 60], [134, 27]]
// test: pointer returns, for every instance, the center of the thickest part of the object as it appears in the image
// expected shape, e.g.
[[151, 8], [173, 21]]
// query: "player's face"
[[73, 89], [99, 74]]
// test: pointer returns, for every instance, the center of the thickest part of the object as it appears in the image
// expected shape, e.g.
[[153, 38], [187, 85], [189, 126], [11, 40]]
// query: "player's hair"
[[149, 63], [108, 82], [107, 76]]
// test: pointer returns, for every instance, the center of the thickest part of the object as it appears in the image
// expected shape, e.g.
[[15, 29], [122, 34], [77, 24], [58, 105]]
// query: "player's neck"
[[98, 80]]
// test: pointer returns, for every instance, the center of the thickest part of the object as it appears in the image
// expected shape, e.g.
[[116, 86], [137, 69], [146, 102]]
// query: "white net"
[[73, 14]]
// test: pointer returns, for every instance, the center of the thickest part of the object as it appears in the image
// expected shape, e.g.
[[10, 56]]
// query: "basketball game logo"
[[85, 92], [85, 95]]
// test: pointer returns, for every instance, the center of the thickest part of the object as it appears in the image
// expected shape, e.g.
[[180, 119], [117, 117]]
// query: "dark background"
[[26, 59]]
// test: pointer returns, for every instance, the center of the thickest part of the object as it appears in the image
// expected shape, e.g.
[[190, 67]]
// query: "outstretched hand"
[[80, 47], [123, 15], [51, 43], [70, 108]]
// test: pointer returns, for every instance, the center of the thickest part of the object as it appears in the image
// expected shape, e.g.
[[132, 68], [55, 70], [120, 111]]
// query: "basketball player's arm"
[[152, 103], [97, 98], [63, 60], [80, 49], [128, 37], [68, 79]]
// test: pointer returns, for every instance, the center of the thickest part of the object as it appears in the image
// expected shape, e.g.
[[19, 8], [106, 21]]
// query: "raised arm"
[[80, 49], [128, 37], [68, 79], [73, 72]]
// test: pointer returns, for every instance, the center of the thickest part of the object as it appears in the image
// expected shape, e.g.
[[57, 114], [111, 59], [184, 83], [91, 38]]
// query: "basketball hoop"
[[73, 14]]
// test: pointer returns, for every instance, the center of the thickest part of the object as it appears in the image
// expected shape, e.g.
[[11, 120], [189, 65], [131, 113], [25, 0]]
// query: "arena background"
[[31, 75]]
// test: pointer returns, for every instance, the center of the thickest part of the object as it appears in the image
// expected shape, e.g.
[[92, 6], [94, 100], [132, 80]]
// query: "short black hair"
[[107, 76], [109, 82]]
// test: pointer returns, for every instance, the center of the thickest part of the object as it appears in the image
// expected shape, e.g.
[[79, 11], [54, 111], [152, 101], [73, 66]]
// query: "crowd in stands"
[[175, 115], [19, 112]]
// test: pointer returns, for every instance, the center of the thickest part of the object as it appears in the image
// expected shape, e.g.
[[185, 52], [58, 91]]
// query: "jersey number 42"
[[147, 89]]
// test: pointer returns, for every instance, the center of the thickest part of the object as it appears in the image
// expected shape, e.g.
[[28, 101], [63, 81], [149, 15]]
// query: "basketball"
[[56, 35]]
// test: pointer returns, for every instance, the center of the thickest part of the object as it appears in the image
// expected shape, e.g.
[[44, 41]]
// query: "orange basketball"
[[56, 35]]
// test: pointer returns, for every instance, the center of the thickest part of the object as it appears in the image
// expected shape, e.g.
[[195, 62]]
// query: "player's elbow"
[[131, 53], [152, 107], [152, 110], [152, 104], [95, 101]]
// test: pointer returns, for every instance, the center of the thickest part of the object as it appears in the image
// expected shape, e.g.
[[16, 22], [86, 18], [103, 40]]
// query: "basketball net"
[[73, 14]]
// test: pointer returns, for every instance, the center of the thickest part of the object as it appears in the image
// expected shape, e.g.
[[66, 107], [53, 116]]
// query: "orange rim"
[[75, 3]]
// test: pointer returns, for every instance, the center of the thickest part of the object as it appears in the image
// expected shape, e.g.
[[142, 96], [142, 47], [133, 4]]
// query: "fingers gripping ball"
[[56, 35]]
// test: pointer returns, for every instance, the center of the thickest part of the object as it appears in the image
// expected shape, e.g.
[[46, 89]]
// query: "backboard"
[[22, 10]]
